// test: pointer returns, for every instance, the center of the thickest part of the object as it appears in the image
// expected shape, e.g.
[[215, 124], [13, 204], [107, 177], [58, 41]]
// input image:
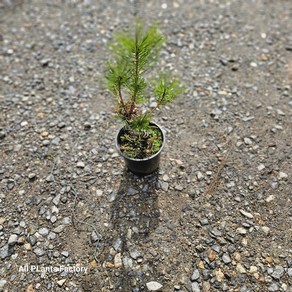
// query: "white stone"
[[246, 214], [241, 230], [247, 141], [61, 282], [282, 175], [12, 239], [153, 286], [59, 229], [196, 287], [43, 231], [55, 210], [253, 269], [200, 175], [281, 113], [240, 268], [128, 262], [118, 260], [27, 246], [266, 229], [80, 164], [270, 198], [56, 199], [244, 242], [219, 275], [2, 283], [99, 193]]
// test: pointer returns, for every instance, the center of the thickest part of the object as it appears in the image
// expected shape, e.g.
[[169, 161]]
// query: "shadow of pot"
[[141, 166]]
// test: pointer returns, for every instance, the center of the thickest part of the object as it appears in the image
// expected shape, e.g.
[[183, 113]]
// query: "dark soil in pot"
[[141, 152]]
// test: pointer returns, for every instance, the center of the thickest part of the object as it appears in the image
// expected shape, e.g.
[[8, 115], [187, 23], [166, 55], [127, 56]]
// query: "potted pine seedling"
[[134, 56]]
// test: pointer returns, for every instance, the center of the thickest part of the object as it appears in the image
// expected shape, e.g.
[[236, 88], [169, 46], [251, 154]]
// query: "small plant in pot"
[[134, 54]]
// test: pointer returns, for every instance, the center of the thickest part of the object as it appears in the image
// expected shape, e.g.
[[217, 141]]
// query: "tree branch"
[[120, 94]]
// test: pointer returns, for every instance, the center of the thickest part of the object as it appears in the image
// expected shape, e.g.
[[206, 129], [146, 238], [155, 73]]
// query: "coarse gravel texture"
[[215, 217]]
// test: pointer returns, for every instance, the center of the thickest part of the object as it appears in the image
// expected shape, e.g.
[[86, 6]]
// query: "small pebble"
[[219, 275], [278, 272], [282, 175], [99, 193], [118, 261], [39, 251], [80, 164], [247, 141], [195, 287], [241, 230], [195, 275], [240, 268], [2, 283], [132, 192], [270, 198], [246, 214], [226, 258], [266, 229], [153, 286], [61, 282], [12, 239], [199, 175], [43, 231]]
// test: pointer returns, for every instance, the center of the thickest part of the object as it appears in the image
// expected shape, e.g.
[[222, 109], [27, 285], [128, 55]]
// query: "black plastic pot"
[[141, 166]]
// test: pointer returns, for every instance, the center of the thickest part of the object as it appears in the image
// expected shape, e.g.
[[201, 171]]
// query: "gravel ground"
[[217, 215]]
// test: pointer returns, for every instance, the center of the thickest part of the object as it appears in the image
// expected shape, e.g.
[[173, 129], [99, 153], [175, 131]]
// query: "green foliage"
[[167, 89], [141, 122], [133, 54], [139, 48], [117, 75]]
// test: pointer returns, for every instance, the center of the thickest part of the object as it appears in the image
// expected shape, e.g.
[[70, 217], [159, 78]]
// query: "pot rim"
[[143, 159]]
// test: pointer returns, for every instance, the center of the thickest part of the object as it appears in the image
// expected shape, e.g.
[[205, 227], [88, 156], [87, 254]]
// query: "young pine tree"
[[134, 54]]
